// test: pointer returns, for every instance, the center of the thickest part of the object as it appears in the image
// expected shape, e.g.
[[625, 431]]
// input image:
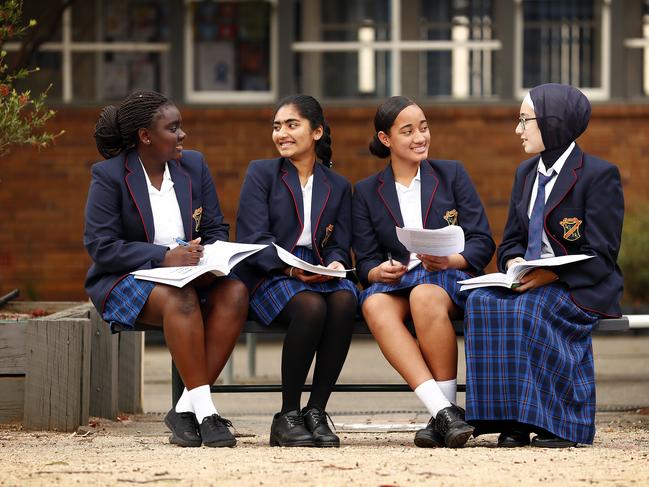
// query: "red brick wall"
[[42, 195]]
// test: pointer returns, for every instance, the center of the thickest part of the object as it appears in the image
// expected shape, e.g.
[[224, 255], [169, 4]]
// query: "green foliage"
[[634, 255], [21, 114]]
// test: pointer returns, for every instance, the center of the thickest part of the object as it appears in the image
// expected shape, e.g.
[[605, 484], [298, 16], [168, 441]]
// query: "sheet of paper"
[[439, 242], [292, 260]]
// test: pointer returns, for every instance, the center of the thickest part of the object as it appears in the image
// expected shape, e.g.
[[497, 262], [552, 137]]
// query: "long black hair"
[[385, 116], [309, 108], [117, 127]]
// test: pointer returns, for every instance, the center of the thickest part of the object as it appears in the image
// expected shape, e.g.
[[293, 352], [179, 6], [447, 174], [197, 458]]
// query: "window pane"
[[232, 46], [561, 42], [451, 19], [49, 73], [112, 76]]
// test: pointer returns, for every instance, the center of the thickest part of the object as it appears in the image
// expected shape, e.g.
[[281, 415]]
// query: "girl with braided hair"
[[302, 205], [146, 194]]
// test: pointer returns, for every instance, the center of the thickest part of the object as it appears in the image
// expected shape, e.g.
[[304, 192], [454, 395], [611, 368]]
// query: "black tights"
[[319, 323]]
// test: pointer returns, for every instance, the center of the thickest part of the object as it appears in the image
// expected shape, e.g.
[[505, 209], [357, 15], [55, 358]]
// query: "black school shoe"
[[184, 428], [428, 437], [315, 421], [513, 439], [450, 424], [215, 432], [551, 441], [288, 429]]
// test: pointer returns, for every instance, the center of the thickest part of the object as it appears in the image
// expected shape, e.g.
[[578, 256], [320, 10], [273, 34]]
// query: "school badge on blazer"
[[571, 228], [198, 213], [451, 217], [328, 231]]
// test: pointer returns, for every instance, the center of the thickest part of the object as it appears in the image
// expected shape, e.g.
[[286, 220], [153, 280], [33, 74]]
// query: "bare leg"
[[385, 315], [430, 307], [225, 314], [179, 312]]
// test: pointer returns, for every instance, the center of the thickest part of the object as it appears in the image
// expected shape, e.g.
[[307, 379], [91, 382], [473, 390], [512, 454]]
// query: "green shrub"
[[634, 256], [21, 114]]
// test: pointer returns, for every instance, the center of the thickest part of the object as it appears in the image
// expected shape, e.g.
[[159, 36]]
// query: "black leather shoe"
[[428, 437], [288, 430], [315, 421], [513, 439], [450, 425], [551, 441], [184, 428], [215, 432]]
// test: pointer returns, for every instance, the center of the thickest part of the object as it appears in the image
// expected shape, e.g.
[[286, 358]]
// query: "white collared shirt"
[[546, 248], [307, 195], [167, 221], [410, 206]]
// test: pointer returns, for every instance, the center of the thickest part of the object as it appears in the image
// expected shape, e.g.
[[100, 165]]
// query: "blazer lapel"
[[429, 184], [565, 180], [319, 198], [136, 184], [388, 195], [292, 181], [183, 190]]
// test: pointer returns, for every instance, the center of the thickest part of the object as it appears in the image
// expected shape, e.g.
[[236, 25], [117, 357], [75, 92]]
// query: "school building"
[[468, 63]]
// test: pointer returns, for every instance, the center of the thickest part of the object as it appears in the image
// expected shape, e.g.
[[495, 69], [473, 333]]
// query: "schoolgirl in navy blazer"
[[447, 198], [119, 228], [271, 210]]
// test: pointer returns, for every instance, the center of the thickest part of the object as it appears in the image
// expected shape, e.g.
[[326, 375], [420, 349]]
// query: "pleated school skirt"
[[272, 295], [446, 279], [530, 359], [125, 302]]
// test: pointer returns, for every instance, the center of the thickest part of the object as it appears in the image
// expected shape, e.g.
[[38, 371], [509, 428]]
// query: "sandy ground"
[[376, 432]]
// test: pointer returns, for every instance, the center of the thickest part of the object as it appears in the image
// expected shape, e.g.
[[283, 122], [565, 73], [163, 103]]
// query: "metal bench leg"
[[251, 345]]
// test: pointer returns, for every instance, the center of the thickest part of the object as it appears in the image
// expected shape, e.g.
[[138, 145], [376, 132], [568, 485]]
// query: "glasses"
[[522, 121]]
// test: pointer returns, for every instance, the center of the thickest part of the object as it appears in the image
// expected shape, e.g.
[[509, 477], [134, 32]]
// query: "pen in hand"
[[181, 242], [390, 258]]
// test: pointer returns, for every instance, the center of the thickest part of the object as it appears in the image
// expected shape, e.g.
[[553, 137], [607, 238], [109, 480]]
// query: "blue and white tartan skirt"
[[125, 302], [272, 295], [530, 359], [446, 279]]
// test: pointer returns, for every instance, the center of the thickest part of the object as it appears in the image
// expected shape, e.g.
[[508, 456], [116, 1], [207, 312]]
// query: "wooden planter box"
[[58, 369]]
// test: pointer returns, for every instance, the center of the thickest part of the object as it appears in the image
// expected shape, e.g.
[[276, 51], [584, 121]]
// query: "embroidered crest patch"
[[198, 213], [451, 217], [571, 228], [328, 231]]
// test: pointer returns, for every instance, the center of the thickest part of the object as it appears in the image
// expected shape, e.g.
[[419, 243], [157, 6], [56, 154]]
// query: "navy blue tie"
[[535, 234]]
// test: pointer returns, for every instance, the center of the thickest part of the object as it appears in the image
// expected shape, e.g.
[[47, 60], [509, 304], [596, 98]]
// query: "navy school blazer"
[[271, 210], [583, 215], [448, 197], [119, 229]]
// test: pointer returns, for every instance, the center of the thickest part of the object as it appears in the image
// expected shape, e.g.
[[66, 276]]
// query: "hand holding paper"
[[440, 242], [293, 261]]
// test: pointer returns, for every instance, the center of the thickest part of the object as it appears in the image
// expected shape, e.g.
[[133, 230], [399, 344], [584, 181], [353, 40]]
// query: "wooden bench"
[[614, 325]]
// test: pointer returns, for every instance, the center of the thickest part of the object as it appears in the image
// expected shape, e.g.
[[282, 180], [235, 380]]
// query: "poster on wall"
[[215, 66]]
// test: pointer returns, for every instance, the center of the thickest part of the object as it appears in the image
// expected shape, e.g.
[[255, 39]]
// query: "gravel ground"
[[135, 451]]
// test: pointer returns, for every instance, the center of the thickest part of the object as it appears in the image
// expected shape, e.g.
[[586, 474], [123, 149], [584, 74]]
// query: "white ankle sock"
[[184, 404], [431, 395], [202, 404], [449, 389]]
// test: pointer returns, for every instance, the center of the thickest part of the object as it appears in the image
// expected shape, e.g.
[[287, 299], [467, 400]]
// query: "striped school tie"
[[535, 234]]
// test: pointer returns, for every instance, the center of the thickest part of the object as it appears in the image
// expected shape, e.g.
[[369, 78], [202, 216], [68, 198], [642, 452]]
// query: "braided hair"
[[309, 108], [385, 116], [117, 128]]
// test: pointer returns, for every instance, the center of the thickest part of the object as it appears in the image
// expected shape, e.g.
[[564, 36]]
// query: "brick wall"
[[42, 194]]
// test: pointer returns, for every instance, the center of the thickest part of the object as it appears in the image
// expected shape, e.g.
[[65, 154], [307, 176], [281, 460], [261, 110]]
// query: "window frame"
[[602, 93], [192, 95]]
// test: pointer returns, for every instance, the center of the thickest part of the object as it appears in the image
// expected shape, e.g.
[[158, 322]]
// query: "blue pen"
[[181, 242]]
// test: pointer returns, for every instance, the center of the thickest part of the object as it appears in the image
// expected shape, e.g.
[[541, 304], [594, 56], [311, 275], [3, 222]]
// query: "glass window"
[[637, 54], [565, 42], [231, 47]]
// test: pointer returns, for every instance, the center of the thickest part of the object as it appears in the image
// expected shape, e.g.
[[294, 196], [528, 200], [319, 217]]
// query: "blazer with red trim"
[[119, 229], [583, 215], [448, 197], [271, 210]]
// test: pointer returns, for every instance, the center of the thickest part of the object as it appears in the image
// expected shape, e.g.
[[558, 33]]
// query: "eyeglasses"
[[522, 121]]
